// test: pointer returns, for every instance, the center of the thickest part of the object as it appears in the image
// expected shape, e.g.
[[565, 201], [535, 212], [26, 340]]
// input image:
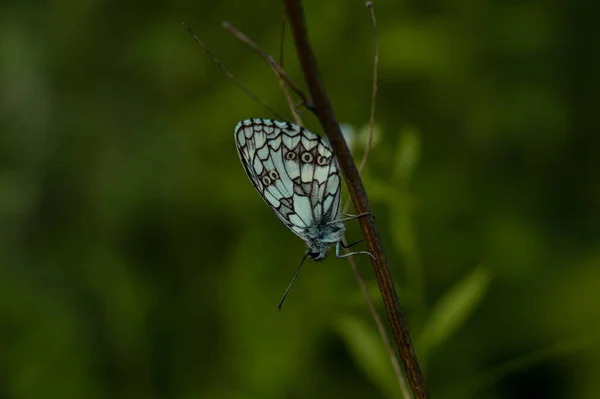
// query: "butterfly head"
[[317, 251], [316, 254]]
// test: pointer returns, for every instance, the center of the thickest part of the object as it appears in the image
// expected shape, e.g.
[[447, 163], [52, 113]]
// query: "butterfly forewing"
[[292, 169]]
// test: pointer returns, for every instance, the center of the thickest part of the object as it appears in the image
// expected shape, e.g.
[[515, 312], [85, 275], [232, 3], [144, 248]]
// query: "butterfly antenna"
[[369, 5], [291, 282], [229, 74]]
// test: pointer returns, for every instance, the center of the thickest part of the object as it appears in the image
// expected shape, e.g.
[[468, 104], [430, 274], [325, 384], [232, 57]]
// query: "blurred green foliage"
[[137, 261]]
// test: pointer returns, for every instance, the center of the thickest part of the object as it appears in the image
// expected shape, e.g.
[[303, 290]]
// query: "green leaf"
[[453, 309], [369, 353]]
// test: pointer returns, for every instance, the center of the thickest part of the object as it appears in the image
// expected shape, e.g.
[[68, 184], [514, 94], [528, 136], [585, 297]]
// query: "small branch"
[[326, 116], [374, 94], [229, 74], [269, 60], [246, 40], [382, 332], [284, 88]]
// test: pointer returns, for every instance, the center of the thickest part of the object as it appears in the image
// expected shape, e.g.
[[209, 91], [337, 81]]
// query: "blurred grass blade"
[[453, 309], [408, 153], [365, 346]]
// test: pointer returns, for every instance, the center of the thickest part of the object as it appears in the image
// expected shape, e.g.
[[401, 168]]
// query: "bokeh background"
[[137, 261]]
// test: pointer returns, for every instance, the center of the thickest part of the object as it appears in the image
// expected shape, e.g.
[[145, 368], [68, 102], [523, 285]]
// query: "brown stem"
[[326, 116], [382, 332]]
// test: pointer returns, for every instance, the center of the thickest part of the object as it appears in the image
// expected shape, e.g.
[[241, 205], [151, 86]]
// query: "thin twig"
[[308, 103], [326, 116], [382, 332], [229, 74], [278, 71], [374, 94], [363, 288], [286, 93]]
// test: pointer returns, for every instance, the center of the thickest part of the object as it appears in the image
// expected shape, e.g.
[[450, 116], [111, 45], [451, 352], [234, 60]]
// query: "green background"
[[137, 261]]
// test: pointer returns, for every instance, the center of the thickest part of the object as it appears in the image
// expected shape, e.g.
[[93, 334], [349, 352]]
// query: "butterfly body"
[[321, 237]]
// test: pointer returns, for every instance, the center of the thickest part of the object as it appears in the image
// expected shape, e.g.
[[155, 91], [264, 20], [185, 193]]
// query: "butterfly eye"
[[290, 156], [274, 175], [321, 160], [307, 157], [266, 180]]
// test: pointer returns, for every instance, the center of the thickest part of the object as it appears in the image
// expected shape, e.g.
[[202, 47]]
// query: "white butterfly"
[[295, 172]]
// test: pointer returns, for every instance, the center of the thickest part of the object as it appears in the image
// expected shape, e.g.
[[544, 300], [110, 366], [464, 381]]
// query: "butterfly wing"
[[292, 169]]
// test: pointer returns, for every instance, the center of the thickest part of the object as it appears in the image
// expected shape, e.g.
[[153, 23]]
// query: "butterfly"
[[296, 174]]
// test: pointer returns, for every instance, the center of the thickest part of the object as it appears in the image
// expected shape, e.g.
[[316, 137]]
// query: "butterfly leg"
[[350, 245], [351, 217], [341, 244]]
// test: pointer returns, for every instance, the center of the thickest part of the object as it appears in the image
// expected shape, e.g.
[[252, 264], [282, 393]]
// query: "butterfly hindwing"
[[293, 170]]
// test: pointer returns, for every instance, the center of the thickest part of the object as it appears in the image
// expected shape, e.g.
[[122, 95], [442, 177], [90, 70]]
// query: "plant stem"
[[326, 116]]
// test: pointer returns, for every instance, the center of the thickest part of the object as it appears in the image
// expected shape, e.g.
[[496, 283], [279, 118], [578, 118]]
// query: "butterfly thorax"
[[321, 236]]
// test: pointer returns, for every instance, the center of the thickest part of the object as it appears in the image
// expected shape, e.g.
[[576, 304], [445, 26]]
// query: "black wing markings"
[[317, 192]]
